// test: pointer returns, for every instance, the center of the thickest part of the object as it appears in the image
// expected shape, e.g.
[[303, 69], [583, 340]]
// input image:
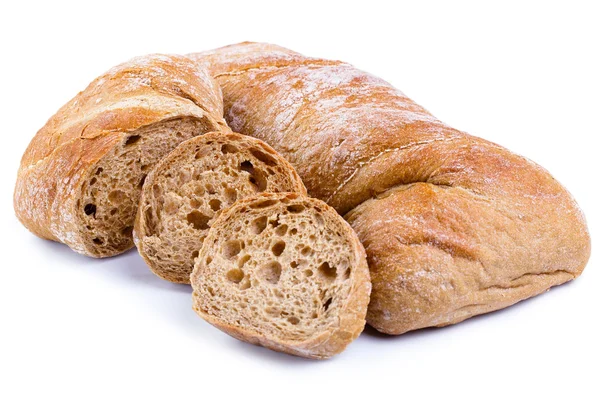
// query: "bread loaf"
[[190, 187], [81, 176], [286, 272], [453, 225]]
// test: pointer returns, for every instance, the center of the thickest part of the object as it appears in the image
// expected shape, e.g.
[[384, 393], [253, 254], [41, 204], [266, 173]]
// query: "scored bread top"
[[104, 140], [188, 189], [286, 272]]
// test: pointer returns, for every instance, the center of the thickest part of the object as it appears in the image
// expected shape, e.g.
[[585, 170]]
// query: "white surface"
[[523, 75]]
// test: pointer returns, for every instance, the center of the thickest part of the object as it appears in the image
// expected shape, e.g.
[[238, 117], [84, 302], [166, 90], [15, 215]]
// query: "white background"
[[522, 74]]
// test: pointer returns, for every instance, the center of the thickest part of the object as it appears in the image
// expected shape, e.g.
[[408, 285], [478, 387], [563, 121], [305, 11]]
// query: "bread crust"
[[453, 225], [330, 342], [137, 94], [142, 231]]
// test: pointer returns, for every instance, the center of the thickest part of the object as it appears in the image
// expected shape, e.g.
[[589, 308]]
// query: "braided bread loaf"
[[453, 225], [80, 178]]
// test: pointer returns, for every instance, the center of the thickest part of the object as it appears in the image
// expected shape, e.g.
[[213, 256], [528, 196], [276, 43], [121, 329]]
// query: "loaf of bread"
[[190, 187], [453, 225], [81, 176], [286, 272]]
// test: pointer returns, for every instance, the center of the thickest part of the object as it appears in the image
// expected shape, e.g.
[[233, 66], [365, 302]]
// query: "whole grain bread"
[[81, 176], [192, 185], [286, 272], [453, 225]]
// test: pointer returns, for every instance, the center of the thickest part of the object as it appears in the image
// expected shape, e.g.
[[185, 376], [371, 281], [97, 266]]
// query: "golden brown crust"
[[453, 225], [142, 92], [351, 318]]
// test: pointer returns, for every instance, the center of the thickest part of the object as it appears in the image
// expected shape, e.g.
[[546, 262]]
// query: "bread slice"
[[190, 187], [81, 176], [286, 272]]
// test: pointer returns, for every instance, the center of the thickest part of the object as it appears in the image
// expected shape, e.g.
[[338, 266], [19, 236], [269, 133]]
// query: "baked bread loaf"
[[286, 272], [190, 187], [453, 225], [81, 176]]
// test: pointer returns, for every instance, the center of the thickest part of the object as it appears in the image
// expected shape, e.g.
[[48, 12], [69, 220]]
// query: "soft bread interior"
[[109, 199], [277, 268], [192, 185]]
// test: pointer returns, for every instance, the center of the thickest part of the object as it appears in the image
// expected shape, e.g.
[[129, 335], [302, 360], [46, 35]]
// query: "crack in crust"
[[366, 163]]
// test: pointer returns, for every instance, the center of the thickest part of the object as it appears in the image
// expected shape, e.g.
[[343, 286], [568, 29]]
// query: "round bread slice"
[[285, 272], [187, 190]]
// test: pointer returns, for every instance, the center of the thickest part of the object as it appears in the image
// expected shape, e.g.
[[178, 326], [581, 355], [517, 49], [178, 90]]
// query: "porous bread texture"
[[81, 175], [286, 272], [191, 186], [453, 225]]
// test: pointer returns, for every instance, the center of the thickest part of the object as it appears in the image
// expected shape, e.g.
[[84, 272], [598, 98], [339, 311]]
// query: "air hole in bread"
[[97, 241], [326, 271], [267, 159], [210, 188], [256, 177], [228, 148], [293, 320], [203, 152], [278, 248], [90, 209], [281, 230], [347, 273], [235, 275], [259, 225], [113, 211], [127, 230], [308, 273], [194, 203], [295, 208], [231, 248], [116, 196], [294, 264], [92, 181], [263, 204], [199, 190], [293, 231], [272, 311], [132, 139], [243, 260], [274, 222], [99, 171], [143, 180], [247, 166], [271, 272], [306, 251], [195, 254], [215, 204], [245, 284], [320, 220], [230, 195], [198, 220], [327, 304]]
